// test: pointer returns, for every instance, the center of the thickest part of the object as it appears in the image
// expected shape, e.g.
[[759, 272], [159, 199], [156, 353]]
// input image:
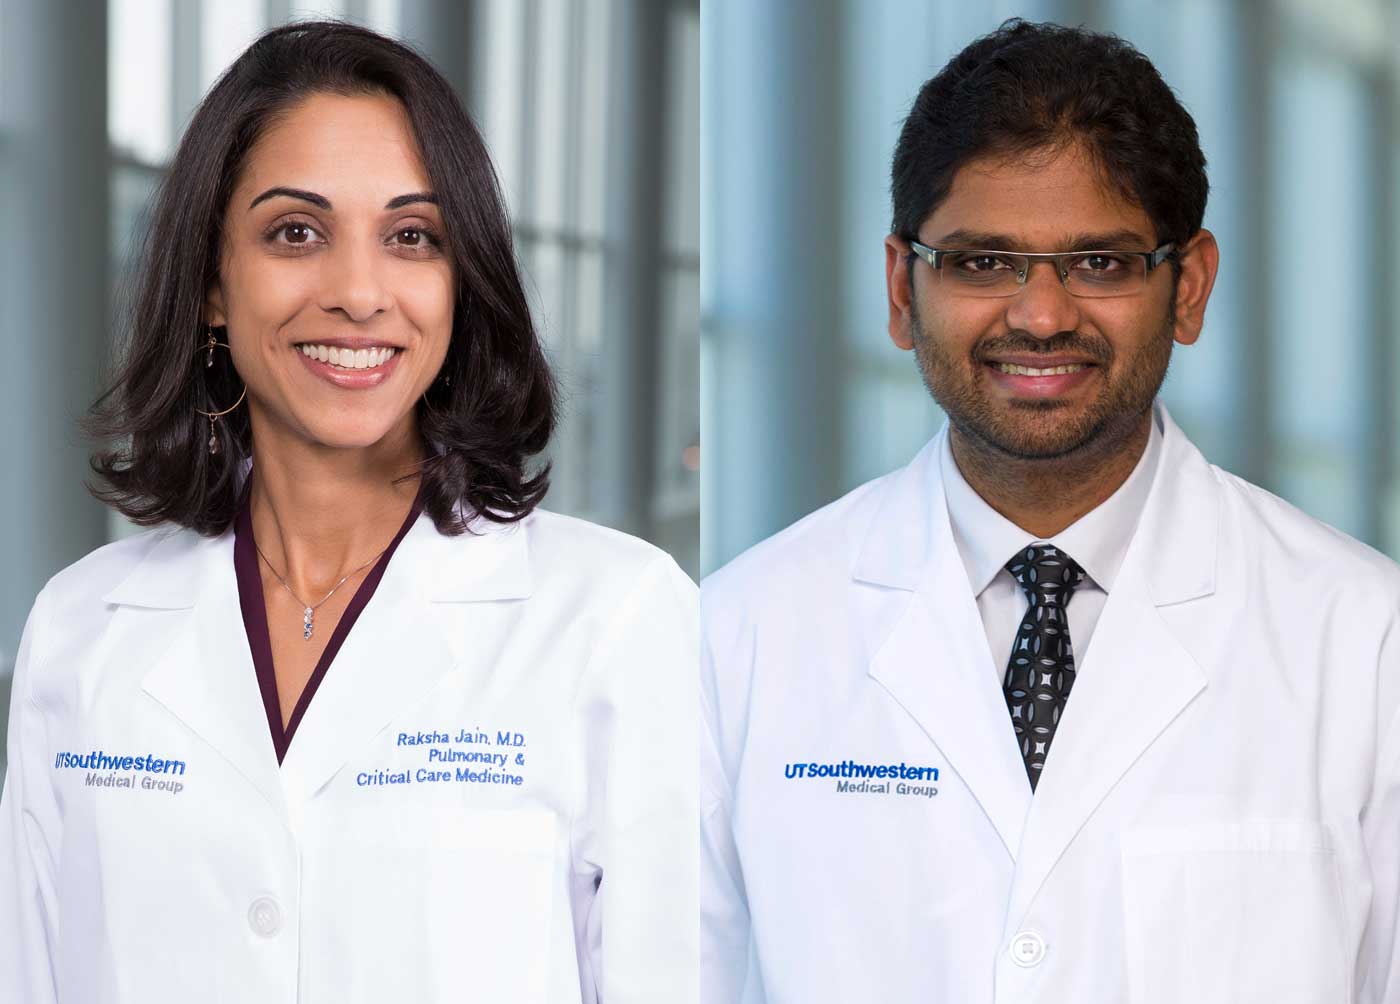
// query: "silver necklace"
[[308, 613]]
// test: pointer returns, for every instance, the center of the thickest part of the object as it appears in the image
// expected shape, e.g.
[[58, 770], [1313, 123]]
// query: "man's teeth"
[[349, 359], [1015, 370]]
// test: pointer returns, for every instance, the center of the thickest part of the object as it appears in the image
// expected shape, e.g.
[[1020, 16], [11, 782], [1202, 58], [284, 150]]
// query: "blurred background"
[[1292, 385], [590, 109]]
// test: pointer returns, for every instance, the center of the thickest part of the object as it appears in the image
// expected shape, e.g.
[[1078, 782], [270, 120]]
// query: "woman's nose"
[[353, 283]]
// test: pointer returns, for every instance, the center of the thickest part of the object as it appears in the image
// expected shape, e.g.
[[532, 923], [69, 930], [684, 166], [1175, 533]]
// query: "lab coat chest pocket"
[[447, 896], [1218, 911]]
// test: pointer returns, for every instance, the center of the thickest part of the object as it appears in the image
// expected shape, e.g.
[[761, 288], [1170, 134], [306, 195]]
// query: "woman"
[[355, 721]]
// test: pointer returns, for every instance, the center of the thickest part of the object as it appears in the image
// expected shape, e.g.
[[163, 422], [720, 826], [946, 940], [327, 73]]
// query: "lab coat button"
[[1027, 949], [265, 916]]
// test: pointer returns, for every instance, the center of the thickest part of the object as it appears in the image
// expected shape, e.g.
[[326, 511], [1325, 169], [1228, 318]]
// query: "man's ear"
[[1200, 259], [899, 292]]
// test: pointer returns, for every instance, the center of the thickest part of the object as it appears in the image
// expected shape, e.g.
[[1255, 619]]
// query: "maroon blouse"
[[250, 598]]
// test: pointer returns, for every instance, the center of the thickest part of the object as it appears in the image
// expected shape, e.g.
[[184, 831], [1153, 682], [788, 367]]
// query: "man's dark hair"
[[1027, 86], [492, 407]]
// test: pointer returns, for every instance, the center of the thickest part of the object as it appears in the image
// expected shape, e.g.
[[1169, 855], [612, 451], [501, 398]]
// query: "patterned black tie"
[[1040, 672]]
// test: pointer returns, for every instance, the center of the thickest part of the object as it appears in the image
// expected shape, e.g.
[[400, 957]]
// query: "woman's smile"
[[349, 363]]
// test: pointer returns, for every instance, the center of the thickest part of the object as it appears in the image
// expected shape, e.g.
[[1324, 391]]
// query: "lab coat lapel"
[[400, 649], [1136, 676], [204, 675], [929, 647]]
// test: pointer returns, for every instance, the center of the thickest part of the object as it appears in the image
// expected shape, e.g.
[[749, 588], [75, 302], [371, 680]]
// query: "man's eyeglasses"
[[1003, 273]]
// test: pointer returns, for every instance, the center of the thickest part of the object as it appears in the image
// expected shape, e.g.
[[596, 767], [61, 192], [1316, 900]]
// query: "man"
[[1060, 711]]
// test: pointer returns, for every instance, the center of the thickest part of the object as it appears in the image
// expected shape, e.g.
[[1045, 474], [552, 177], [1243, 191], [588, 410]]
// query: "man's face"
[[1117, 347]]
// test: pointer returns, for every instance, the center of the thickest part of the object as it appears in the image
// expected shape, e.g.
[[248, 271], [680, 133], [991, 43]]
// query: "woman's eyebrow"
[[399, 201], [321, 202]]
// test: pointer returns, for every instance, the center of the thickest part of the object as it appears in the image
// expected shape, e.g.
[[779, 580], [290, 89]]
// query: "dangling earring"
[[214, 416]]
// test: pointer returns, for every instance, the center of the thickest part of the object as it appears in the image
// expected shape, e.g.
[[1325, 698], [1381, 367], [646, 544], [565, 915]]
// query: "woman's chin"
[[361, 434]]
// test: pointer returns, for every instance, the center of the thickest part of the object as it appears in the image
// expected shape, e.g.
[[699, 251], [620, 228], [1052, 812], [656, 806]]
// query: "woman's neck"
[[320, 512]]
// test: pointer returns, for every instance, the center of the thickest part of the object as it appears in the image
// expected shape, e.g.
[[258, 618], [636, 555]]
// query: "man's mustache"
[[1069, 342]]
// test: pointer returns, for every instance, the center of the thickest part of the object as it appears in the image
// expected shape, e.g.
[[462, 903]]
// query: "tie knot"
[[1048, 575]]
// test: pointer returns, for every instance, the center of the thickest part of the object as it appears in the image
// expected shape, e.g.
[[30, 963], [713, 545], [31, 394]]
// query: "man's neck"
[[1045, 496]]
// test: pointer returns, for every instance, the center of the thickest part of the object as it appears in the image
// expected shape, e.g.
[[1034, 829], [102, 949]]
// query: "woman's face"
[[334, 285]]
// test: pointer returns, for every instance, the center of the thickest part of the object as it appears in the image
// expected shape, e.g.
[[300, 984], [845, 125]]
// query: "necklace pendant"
[[307, 624]]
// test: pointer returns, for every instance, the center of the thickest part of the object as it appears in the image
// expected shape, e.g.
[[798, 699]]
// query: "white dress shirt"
[[1097, 541]]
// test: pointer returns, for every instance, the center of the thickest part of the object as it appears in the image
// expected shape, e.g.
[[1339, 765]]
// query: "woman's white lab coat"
[[492, 795]]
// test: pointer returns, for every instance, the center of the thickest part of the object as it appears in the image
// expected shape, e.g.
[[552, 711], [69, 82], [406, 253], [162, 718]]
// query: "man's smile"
[[1039, 374]]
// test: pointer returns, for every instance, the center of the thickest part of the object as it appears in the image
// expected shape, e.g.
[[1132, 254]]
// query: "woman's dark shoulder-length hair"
[[490, 410]]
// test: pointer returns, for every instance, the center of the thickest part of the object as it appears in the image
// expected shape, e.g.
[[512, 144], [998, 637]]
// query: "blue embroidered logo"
[[873, 779], [106, 770]]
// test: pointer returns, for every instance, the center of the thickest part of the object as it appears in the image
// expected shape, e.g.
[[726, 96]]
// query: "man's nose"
[[1042, 306]]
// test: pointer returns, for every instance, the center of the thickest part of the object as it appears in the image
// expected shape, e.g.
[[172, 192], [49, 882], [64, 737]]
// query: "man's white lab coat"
[[1218, 820]]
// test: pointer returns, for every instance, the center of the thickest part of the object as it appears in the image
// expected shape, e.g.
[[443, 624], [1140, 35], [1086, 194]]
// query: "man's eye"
[[982, 263], [1099, 263]]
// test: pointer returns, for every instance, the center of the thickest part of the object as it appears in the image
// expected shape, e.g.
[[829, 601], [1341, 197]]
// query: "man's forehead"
[[1057, 199], [1120, 239]]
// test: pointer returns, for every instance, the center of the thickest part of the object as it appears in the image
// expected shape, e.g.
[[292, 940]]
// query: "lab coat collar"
[[928, 649], [1138, 674], [201, 669], [400, 649], [406, 642], [926, 644], [911, 522], [494, 565], [1097, 540]]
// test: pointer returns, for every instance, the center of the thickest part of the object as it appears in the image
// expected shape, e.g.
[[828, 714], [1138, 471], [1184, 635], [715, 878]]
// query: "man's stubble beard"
[[1045, 430]]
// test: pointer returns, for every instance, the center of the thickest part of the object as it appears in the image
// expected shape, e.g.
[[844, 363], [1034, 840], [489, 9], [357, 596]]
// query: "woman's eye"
[[416, 237], [297, 234]]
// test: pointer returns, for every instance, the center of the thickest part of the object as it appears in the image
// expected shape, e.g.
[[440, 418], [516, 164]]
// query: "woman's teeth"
[[349, 359], [1015, 370]]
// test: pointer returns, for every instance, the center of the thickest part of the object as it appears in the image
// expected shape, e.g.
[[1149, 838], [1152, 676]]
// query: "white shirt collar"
[[1098, 540]]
